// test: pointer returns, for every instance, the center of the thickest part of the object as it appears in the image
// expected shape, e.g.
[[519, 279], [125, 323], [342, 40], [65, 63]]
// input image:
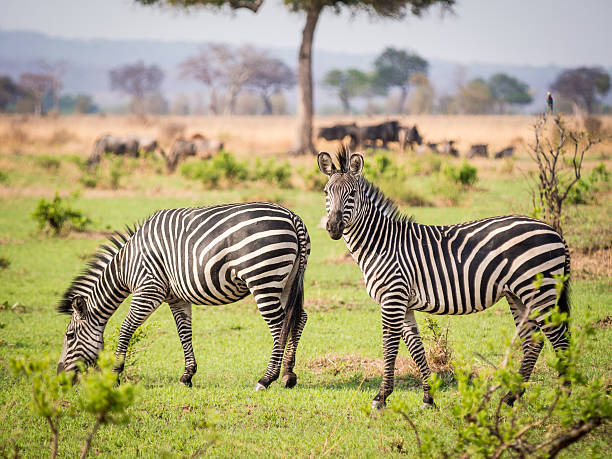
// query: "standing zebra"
[[456, 269], [201, 255]]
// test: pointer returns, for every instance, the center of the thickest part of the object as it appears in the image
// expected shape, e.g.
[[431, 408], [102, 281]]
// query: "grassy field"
[[339, 363]]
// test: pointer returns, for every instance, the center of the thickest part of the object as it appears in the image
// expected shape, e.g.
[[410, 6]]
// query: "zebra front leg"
[[289, 377], [412, 338], [144, 302], [181, 310], [391, 338]]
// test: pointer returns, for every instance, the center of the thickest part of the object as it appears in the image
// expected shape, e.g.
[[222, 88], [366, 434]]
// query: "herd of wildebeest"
[[369, 136]]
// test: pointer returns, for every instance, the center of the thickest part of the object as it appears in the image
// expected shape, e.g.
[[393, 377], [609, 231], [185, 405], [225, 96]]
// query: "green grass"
[[323, 414]]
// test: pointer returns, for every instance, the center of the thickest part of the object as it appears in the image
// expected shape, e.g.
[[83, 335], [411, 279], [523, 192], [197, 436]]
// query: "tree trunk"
[[402, 101], [303, 141], [268, 109]]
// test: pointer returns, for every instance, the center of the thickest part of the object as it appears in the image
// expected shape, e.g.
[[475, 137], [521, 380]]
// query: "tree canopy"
[[507, 90], [348, 83], [583, 85]]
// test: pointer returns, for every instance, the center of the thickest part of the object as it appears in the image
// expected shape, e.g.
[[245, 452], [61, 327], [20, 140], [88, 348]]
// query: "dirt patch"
[[346, 258], [352, 363], [595, 264], [604, 322], [325, 305]]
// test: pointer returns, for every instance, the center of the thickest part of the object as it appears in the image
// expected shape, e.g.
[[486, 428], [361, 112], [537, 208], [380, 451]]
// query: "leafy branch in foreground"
[[98, 394], [548, 419]]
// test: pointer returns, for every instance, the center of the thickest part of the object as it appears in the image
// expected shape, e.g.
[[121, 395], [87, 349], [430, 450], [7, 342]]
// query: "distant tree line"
[[40, 92], [400, 78]]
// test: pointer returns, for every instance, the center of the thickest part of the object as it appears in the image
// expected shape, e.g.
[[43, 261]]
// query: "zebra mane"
[[344, 158], [384, 204], [82, 284]]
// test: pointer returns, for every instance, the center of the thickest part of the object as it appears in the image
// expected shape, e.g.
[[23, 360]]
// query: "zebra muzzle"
[[335, 226]]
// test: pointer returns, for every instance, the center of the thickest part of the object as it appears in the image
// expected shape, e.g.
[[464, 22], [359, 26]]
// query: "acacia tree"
[[39, 85], [582, 85], [268, 76], [394, 9], [395, 68], [507, 90], [348, 83], [136, 80]]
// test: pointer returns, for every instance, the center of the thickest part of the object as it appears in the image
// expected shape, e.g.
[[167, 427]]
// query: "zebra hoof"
[[187, 382], [377, 405], [290, 380], [259, 387]]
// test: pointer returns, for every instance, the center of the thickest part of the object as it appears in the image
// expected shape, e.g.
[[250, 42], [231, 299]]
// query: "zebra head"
[[341, 192], [83, 341]]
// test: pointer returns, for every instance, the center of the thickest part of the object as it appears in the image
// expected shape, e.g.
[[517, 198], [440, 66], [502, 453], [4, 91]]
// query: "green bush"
[[382, 167], [48, 162], [4, 177], [466, 174], [272, 173], [211, 172], [57, 214], [585, 189], [116, 171]]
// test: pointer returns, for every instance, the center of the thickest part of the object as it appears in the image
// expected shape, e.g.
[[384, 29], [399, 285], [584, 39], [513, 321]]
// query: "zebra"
[[199, 255], [456, 269]]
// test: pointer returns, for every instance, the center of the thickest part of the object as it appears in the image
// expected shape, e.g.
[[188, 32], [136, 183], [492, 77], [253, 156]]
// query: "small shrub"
[[588, 186], [116, 172], [211, 172], [56, 214], [272, 173], [4, 262], [49, 162], [382, 167], [508, 166], [4, 177], [466, 175]]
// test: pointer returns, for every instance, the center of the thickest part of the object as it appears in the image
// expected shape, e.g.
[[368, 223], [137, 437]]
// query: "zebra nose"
[[60, 367]]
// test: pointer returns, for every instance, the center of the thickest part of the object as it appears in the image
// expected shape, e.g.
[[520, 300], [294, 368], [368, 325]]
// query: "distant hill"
[[90, 60]]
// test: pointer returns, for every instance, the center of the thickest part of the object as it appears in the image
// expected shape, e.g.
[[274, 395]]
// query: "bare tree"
[[268, 76], [39, 85], [558, 152], [136, 80], [56, 70], [203, 68]]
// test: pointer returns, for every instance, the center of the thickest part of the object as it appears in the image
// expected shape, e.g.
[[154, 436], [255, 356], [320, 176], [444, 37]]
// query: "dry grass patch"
[[595, 264]]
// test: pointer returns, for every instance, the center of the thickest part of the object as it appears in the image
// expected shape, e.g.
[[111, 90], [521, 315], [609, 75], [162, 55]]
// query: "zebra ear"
[[326, 165], [356, 164], [79, 305]]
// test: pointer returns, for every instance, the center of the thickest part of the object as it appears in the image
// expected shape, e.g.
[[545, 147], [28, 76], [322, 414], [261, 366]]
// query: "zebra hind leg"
[[181, 310], [141, 307], [289, 377], [269, 304], [412, 338], [531, 347]]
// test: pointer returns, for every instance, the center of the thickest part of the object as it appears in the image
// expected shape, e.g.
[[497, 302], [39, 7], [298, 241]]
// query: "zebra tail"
[[564, 298], [295, 303]]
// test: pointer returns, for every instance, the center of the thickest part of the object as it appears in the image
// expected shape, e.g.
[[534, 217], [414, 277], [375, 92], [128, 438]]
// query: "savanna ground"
[[339, 362]]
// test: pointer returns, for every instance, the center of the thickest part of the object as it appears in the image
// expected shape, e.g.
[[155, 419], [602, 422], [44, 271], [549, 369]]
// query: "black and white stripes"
[[457, 269], [204, 255]]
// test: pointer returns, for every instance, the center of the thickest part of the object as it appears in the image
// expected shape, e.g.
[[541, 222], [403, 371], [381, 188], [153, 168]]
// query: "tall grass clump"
[[49, 162], [466, 174]]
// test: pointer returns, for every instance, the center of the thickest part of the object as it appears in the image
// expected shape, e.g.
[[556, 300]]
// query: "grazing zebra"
[[200, 255], [456, 269]]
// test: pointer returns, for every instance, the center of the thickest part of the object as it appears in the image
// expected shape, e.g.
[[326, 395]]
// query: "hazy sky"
[[536, 32]]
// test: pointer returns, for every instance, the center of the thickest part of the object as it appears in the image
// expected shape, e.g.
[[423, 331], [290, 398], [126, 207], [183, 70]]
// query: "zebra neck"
[[107, 294], [370, 231]]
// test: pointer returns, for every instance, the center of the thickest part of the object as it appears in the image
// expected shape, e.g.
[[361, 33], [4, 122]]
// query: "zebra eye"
[[70, 335], [353, 193]]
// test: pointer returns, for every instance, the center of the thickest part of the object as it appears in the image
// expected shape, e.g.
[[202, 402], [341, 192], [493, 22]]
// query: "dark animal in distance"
[[479, 149], [409, 136], [340, 132], [385, 132], [198, 146], [448, 148], [505, 153], [131, 145]]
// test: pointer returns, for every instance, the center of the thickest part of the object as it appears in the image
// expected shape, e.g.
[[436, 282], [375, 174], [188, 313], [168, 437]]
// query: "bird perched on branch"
[[549, 101]]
